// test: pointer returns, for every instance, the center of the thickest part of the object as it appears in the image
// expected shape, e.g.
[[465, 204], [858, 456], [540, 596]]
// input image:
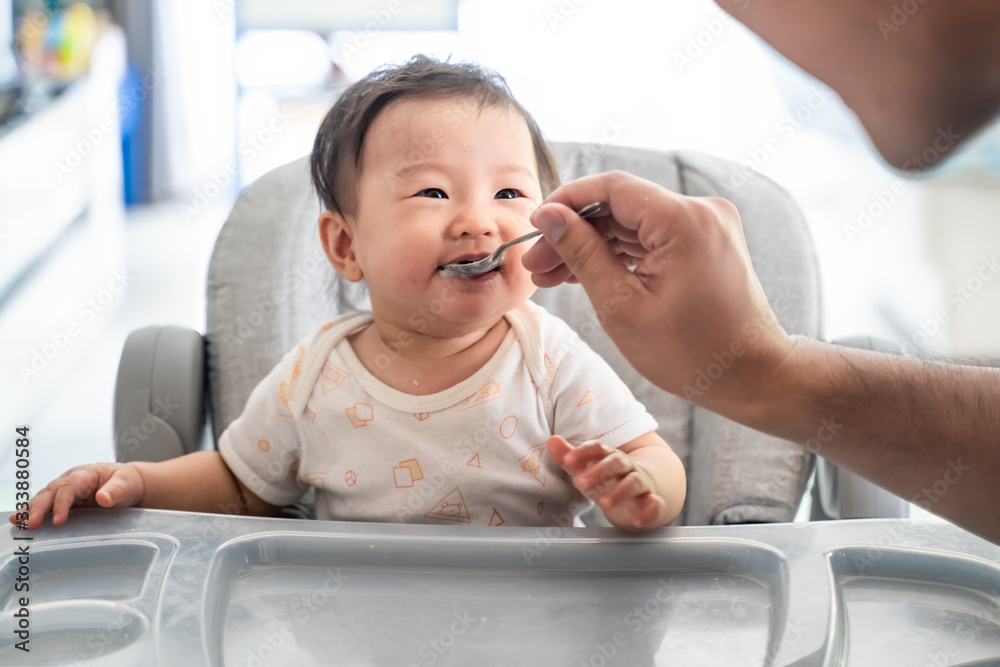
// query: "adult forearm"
[[197, 482], [928, 432], [693, 318]]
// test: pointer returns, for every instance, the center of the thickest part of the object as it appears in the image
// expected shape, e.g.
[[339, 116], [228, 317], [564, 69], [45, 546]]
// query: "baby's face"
[[444, 181]]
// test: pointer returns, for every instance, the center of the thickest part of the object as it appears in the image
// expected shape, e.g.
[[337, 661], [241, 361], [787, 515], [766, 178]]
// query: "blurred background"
[[128, 127]]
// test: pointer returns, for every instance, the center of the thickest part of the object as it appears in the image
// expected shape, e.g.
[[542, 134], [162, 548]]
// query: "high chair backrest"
[[270, 285]]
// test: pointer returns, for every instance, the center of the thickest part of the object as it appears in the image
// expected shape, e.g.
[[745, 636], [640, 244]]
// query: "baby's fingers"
[[574, 460], [65, 497], [605, 473], [634, 512], [37, 508], [120, 490], [99, 484], [646, 510], [628, 487]]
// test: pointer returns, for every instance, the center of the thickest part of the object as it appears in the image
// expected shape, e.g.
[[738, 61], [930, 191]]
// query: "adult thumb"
[[581, 248]]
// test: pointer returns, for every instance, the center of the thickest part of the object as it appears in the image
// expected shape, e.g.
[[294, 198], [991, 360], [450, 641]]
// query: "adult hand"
[[692, 316], [693, 319]]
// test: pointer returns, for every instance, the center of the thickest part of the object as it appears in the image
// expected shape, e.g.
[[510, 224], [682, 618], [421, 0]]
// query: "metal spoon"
[[490, 262]]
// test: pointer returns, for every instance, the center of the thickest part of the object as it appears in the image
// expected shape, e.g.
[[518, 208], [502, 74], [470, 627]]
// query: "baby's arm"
[[198, 482], [639, 486]]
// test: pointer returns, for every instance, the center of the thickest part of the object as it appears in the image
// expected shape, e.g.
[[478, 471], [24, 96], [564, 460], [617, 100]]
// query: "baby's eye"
[[433, 193], [508, 193]]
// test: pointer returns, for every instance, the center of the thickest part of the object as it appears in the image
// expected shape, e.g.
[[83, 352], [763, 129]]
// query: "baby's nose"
[[473, 222]]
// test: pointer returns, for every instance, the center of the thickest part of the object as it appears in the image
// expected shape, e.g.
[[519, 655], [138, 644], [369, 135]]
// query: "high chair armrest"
[[159, 411]]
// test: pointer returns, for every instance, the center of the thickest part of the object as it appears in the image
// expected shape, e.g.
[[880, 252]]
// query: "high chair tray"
[[151, 587]]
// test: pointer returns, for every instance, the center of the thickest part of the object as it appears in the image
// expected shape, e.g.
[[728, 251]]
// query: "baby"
[[455, 400]]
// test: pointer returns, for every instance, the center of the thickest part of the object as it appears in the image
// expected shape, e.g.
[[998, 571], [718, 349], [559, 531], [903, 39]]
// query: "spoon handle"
[[520, 239], [585, 212]]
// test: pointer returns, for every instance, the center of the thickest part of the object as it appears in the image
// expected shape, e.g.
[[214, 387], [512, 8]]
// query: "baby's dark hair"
[[337, 153]]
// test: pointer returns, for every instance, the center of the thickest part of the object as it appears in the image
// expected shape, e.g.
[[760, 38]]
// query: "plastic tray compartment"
[[286, 598], [898, 606], [91, 602]]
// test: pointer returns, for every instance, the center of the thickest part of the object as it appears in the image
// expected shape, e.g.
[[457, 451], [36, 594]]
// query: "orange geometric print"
[[589, 397], [550, 370], [285, 397], [296, 366], [285, 394], [360, 414], [450, 508], [532, 463], [402, 478], [407, 473], [489, 392], [414, 467], [332, 377], [508, 427]]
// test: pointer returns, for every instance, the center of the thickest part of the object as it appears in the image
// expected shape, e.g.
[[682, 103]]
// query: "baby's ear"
[[338, 242]]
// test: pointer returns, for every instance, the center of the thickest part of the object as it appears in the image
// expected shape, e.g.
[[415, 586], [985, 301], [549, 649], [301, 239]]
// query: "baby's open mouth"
[[453, 267], [466, 258]]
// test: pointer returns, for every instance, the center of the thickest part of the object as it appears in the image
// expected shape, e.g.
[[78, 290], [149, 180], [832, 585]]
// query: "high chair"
[[158, 587], [270, 285]]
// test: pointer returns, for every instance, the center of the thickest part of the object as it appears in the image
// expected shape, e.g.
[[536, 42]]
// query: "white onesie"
[[471, 454]]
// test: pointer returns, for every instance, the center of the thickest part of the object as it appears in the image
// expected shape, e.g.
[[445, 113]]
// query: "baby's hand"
[[95, 485], [624, 490]]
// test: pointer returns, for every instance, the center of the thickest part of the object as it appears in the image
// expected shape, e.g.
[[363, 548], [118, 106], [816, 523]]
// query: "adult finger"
[[628, 253], [584, 252], [542, 258], [550, 278]]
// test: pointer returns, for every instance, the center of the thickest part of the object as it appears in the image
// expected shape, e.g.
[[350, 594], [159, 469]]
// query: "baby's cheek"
[[518, 276], [397, 268]]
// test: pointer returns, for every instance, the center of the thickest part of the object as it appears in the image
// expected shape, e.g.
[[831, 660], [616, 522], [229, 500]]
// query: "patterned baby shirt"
[[472, 454]]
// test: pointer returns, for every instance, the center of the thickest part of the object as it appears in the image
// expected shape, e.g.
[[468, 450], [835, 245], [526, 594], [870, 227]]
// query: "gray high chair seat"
[[270, 285]]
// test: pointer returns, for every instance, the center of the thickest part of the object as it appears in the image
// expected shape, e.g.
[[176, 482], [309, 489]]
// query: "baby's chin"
[[481, 302]]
